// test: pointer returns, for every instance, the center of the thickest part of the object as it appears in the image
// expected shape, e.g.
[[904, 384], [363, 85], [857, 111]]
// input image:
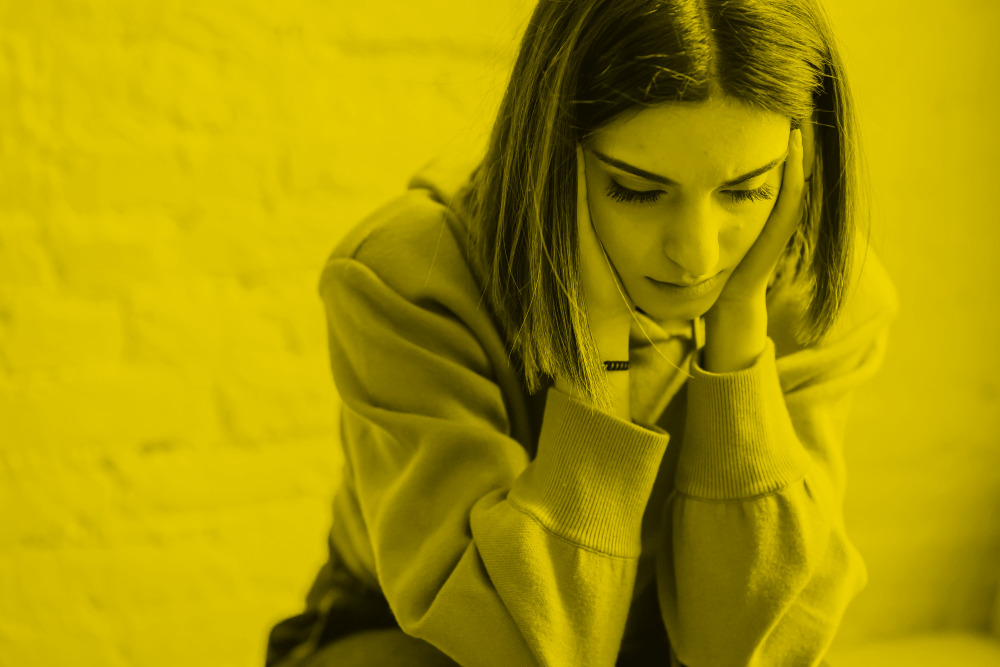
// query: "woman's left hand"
[[750, 278], [736, 325]]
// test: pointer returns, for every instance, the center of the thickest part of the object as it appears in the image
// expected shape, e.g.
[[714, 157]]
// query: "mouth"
[[687, 290]]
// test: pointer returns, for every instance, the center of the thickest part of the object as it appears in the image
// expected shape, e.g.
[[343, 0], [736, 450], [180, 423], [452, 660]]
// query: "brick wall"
[[172, 176]]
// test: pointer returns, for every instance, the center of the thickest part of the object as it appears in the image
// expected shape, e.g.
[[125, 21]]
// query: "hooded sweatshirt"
[[511, 528]]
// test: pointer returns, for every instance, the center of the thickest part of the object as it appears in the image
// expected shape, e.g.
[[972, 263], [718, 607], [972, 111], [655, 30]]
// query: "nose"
[[691, 240]]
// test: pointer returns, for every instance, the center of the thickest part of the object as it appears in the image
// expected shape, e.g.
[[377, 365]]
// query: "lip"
[[687, 291]]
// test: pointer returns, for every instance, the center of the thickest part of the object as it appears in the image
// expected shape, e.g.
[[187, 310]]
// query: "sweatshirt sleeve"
[[758, 569], [493, 557]]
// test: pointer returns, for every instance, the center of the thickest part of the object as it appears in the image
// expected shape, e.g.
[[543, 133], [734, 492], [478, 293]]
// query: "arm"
[[757, 568], [493, 558]]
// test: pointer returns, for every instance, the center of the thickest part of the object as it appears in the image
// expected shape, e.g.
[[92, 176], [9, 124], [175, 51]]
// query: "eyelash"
[[624, 195]]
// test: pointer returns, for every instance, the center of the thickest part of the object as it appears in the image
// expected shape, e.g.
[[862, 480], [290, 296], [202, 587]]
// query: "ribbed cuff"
[[592, 476], [739, 441]]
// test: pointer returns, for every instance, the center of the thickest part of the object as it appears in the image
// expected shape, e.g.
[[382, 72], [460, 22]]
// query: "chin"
[[662, 312]]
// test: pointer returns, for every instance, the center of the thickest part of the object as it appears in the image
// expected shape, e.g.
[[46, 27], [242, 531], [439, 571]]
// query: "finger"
[[590, 244], [787, 210], [793, 179], [767, 249], [582, 206], [594, 260], [808, 128]]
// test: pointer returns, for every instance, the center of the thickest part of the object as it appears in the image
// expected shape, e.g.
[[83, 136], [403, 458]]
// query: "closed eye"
[[620, 193], [763, 193]]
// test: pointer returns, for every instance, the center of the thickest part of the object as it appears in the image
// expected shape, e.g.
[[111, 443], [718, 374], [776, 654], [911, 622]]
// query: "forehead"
[[687, 141]]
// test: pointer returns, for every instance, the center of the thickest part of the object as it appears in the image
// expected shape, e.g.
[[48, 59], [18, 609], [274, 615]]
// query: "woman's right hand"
[[608, 307]]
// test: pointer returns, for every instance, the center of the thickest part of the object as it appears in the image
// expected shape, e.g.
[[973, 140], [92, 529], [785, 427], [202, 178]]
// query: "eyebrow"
[[656, 178]]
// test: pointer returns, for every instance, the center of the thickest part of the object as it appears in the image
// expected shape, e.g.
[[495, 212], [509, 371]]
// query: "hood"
[[447, 174]]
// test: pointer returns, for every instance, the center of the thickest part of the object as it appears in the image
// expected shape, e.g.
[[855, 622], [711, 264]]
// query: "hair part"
[[582, 65]]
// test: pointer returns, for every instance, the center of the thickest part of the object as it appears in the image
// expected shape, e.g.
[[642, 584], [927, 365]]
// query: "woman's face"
[[678, 194]]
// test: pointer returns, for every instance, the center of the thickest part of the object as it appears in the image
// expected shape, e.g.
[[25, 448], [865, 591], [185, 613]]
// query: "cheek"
[[620, 232], [745, 230]]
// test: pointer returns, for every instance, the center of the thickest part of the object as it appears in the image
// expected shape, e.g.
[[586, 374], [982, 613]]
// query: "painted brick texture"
[[172, 176]]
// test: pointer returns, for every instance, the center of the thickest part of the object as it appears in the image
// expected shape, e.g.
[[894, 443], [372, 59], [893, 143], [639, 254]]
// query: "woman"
[[594, 398]]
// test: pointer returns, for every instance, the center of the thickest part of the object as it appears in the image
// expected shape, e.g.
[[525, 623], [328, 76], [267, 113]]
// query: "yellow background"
[[172, 175]]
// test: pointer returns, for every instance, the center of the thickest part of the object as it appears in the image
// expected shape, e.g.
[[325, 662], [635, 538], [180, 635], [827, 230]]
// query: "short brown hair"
[[583, 63]]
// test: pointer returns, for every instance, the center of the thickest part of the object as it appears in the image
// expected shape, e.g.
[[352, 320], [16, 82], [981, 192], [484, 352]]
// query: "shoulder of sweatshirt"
[[870, 303], [854, 347], [409, 235], [417, 241]]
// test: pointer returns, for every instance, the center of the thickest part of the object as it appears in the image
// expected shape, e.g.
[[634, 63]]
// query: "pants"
[[378, 647]]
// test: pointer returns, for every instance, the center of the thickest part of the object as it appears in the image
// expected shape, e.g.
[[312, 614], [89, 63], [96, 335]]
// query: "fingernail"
[[798, 138]]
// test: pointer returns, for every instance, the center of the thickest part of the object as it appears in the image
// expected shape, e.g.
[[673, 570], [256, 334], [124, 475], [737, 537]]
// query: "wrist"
[[735, 336]]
